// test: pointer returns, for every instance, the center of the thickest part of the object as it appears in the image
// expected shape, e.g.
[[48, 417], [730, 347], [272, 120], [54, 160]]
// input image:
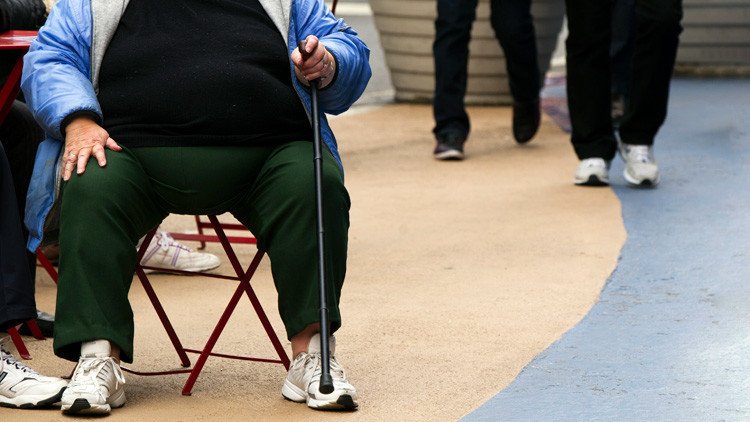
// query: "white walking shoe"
[[21, 386], [640, 165], [592, 172], [301, 384], [167, 254], [97, 385]]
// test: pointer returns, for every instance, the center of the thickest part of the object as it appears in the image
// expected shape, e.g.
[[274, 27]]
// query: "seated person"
[[164, 110], [20, 135], [20, 386]]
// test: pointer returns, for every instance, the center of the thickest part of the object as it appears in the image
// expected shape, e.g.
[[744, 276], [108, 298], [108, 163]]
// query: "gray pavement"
[[669, 338]]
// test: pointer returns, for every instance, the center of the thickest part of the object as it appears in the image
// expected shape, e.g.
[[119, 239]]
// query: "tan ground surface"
[[459, 274]]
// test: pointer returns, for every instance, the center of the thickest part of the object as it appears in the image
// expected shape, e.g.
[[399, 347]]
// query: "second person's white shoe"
[[640, 165]]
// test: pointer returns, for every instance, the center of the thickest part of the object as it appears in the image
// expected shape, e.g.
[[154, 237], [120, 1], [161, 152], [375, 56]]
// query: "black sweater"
[[196, 72]]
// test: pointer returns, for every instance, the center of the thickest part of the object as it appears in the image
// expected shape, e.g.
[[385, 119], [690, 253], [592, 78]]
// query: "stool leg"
[[18, 342], [262, 314], [188, 388], [200, 231], [35, 330], [163, 317], [245, 281], [46, 264]]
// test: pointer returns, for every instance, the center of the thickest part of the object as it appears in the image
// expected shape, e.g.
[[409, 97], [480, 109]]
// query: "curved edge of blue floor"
[[668, 339]]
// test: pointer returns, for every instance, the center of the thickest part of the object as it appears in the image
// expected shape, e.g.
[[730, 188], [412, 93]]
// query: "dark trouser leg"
[[21, 136], [104, 213], [514, 28], [451, 51], [657, 37], [16, 285], [588, 77], [621, 48], [280, 211]]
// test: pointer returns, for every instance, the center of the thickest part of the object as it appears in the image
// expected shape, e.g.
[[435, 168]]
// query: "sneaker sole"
[[292, 393], [593, 180], [451, 155], [34, 403], [645, 183], [344, 402], [197, 270], [83, 407]]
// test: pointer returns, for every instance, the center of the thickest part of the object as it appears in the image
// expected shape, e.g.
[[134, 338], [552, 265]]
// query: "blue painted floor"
[[670, 337]]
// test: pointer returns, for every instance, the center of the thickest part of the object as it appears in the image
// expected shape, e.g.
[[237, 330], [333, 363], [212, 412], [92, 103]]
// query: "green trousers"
[[269, 188]]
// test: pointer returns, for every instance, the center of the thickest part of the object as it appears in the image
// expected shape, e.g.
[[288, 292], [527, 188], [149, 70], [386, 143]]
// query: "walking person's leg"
[[451, 53], [621, 53], [588, 83], [657, 37], [514, 28]]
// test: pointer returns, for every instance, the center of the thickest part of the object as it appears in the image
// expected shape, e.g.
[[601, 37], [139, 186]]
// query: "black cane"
[[326, 382]]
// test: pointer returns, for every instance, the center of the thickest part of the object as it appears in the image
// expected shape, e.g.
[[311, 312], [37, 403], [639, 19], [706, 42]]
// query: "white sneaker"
[[167, 254], [21, 386], [592, 172], [640, 165], [97, 385], [301, 384]]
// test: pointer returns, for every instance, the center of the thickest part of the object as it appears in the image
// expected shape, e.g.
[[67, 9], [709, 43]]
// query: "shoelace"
[[93, 369], [166, 241], [639, 153], [11, 361], [337, 371], [313, 363]]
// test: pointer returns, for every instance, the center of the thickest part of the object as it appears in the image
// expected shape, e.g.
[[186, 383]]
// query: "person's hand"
[[318, 65], [84, 138]]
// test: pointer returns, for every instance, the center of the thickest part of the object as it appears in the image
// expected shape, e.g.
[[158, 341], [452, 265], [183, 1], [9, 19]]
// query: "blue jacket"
[[60, 77]]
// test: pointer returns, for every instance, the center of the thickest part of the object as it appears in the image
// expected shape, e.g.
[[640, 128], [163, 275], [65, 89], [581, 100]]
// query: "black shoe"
[[46, 323], [526, 118], [450, 146]]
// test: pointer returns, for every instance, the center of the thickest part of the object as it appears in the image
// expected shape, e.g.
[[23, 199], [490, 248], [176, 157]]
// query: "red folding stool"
[[244, 287]]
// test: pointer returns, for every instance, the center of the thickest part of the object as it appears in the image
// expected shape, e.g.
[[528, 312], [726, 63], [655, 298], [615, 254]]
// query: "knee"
[[335, 190], [335, 196], [94, 188]]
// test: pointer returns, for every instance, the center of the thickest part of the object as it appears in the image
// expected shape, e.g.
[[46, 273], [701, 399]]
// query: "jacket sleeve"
[[56, 73], [351, 54]]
